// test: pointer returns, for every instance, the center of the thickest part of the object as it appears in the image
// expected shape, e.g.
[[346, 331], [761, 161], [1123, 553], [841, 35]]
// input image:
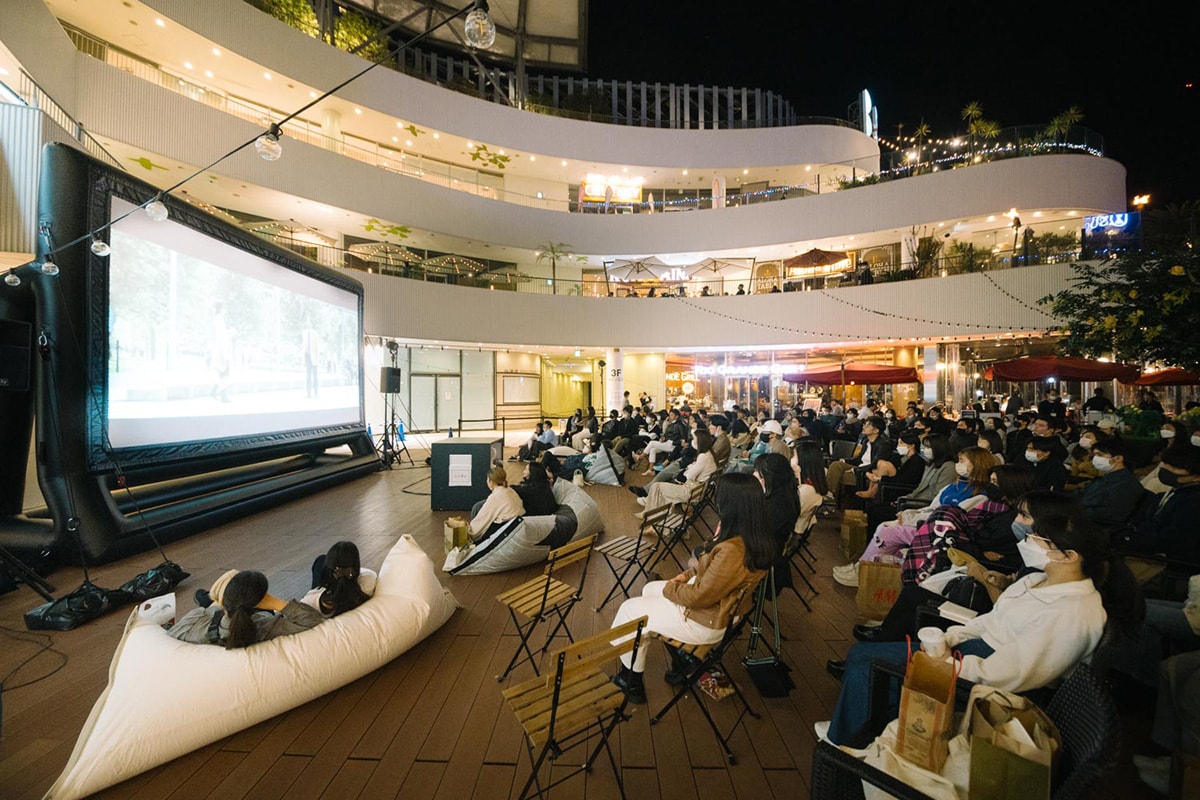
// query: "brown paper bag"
[[1005, 766], [879, 585], [927, 711], [854, 534], [457, 533]]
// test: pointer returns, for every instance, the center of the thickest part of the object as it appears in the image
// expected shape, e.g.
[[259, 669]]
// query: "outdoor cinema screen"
[[207, 341]]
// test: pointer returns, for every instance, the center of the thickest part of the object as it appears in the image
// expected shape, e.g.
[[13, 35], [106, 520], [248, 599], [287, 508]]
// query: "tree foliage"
[[1142, 307]]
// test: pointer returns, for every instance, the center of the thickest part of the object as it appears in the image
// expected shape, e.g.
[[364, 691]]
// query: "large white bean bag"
[[528, 540], [166, 698], [608, 468]]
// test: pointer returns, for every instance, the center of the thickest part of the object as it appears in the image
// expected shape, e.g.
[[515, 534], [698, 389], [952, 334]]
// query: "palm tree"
[[985, 129], [972, 112], [552, 252], [1061, 124], [919, 134]]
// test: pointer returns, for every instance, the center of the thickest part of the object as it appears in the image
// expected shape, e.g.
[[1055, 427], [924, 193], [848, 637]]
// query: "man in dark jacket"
[[1111, 499], [1169, 528]]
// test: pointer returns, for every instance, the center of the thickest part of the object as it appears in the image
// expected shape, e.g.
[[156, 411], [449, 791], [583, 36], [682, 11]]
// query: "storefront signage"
[[1102, 222], [743, 370]]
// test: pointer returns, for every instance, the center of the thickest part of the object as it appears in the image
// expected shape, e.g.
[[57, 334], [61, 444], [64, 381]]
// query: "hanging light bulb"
[[12, 278], [268, 146], [479, 28], [156, 209], [49, 268], [100, 247]]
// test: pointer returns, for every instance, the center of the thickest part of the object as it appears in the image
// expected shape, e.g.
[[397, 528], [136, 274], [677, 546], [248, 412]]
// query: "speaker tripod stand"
[[391, 446]]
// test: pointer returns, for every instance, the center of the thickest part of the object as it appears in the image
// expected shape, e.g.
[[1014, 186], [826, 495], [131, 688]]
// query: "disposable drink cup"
[[933, 642]]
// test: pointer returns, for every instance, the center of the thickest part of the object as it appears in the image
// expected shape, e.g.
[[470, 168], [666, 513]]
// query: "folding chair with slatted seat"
[[696, 661], [545, 598], [673, 527], [563, 709], [707, 500], [626, 554]]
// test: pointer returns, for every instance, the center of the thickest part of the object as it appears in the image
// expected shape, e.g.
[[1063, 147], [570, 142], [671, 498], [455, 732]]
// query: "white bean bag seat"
[[528, 540], [166, 698], [608, 468]]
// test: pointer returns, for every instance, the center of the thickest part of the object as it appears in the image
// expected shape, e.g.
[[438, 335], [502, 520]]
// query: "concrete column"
[[331, 126], [614, 379]]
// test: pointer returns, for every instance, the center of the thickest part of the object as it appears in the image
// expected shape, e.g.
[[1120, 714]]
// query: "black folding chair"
[[545, 598], [672, 528], [694, 661]]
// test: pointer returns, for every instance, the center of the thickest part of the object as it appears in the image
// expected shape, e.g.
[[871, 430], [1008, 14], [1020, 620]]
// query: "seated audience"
[[242, 613], [536, 492], [1169, 526], [501, 505], [1111, 499], [339, 581], [661, 493], [543, 438], [868, 452], [697, 606], [904, 467], [1041, 626], [1044, 455]]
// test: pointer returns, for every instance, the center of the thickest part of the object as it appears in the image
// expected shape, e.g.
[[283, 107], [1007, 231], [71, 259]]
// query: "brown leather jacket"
[[717, 595]]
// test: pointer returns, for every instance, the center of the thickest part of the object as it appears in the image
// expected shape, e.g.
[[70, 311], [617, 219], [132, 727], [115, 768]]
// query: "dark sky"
[[1126, 69]]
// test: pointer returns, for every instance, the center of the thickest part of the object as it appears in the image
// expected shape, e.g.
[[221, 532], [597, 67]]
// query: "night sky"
[[1127, 70]]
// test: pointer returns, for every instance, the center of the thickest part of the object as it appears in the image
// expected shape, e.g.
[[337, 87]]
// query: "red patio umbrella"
[[1173, 376], [1065, 368], [850, 372]]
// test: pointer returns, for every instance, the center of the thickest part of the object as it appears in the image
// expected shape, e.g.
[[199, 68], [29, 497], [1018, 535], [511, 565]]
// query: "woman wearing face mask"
[[938, 472], [1045, 457], [1041, 626], [1079, 458], [973, 467]]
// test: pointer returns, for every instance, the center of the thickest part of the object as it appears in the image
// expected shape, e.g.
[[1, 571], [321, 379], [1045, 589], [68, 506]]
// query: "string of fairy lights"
[[1016, 299]]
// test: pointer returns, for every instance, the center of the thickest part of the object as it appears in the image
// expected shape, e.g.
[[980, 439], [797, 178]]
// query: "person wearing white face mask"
[[1040, 628], [1045, 456], [1110, 499], [902, 467], [1169, 526]]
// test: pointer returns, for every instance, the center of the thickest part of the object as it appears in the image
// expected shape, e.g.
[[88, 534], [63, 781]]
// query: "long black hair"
[[778, 478], [1118, 589], [240, 598], [339, 577], [742, 508], [811, 462]]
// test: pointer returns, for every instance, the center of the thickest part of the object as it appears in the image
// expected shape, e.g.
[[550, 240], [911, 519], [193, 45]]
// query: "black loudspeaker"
[[14, 355], [389, 380]]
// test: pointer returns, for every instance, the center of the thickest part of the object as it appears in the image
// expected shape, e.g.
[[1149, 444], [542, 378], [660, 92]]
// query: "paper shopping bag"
[[854, 534], [879, 585], [1013, 745], [457, 533], [927, 711]]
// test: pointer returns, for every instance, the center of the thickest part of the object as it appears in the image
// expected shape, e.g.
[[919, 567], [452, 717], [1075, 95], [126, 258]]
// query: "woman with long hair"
[[241, 613], [697, 606], [1041, 626], [662, 493], [339, 581], [782, 494]]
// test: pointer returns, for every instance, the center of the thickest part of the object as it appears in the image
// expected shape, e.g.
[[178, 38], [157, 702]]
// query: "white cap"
[[771, 426]]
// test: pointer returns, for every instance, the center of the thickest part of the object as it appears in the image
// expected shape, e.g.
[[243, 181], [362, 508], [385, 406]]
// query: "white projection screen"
[[207, 341]]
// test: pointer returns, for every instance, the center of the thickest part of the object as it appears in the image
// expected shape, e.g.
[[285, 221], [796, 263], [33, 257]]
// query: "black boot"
[[630, 683]]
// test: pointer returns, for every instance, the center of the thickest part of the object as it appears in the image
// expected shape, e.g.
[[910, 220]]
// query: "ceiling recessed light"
[[208, 73], [564, 162], [437, 136], [160, 23], [745, 172], [395, 138], [533, 158], [187, 65], [216, 51], [267, 75], [408, 142], [313, 95], [358, 111], [685, 172]]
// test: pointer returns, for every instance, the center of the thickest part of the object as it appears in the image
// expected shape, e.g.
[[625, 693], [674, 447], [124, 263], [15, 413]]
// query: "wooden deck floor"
[[431, 724]]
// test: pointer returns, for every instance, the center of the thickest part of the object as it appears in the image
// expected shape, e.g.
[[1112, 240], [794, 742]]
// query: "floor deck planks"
[[432, 723]]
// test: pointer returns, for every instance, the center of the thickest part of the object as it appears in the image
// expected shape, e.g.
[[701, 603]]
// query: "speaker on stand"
[[391, 446]]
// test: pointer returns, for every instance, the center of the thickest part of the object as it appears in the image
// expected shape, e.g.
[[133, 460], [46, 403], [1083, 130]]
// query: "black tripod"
[[391, 446], [21, 572]]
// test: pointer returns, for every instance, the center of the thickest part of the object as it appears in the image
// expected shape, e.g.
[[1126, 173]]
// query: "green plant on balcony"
[[354, 28], [969, 258], [384, 229], [1060, 125], [297, 13], [490, 158], [924, 250]]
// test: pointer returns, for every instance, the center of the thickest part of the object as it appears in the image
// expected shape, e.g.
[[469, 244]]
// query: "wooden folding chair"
[[545, 598], [693, 662], [625, 554], [562, 710]]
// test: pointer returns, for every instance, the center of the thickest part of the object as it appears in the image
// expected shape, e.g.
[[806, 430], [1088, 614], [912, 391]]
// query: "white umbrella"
[[637, 269]]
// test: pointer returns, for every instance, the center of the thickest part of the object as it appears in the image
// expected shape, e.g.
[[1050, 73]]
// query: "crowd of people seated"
[[1030, 520]]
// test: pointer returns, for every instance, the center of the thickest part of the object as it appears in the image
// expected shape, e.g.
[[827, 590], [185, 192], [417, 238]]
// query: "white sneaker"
[[846, 569], [848, 578], [821, 729], [641, 501]]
